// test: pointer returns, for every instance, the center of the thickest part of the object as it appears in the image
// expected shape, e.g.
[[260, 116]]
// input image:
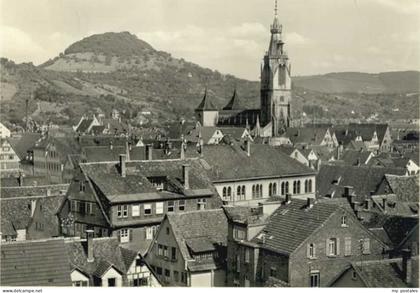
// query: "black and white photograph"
[[209, 143]]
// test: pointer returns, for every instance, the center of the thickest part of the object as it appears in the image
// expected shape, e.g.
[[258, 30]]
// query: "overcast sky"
[[228, 35]]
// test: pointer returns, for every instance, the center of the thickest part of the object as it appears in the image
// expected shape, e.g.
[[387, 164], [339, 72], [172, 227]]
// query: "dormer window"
[[344, 221], [158, 182], [82, 186]]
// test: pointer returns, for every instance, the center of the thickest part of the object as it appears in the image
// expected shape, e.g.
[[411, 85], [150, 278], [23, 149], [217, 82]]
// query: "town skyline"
[[232, 37]]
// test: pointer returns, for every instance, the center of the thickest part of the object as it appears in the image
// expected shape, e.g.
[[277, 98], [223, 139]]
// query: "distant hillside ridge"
[[358, 82]]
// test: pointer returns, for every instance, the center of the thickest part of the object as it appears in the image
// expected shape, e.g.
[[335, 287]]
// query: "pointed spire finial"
[[275, 8]]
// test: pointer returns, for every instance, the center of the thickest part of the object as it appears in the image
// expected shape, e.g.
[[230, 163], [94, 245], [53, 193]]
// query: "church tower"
[[276, 82]]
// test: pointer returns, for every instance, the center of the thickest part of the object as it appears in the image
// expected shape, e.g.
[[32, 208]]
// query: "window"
[[167, 273], [306, 186], [243, 192], [160, 249], [273, 272], [238, 192], [366, 246], [201, 203], [82, 186], [238, 233], [238, 263], [176, 276], [89, 208], [344, 221], [283, 188], [159, 270], [270, 189], [253, 191], [311, 250], [298, 187], [159, 208], [310, 185], [124, 235], [135, 210], [274, 188], [332, 246], [181, 205], [80, 283], [165, 251], [347, 246], [294, 187], [183, 277], [173, 253], [171, 206], [314, 279], [125, 211], [229, 192], [147, 209], [224, 193]]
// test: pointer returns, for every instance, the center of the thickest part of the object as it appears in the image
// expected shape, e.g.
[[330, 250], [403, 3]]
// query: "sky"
[[230, 36]]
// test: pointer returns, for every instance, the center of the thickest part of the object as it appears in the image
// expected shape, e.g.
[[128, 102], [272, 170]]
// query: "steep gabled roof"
[[234, 102], [291, 224], [199, 231], [399, 227], [307, 135], [354, 158], [231, 162], [206, 104], [366, 130], [21, 145], [35, 263], [364, 179], [406, 188]]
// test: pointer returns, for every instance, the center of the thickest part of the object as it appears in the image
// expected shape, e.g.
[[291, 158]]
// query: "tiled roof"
[[198, 231], [63, 145], [206, 132], [356, 146], [354, 158], [83, 127], [414, 156], [234, 103], [97, 129], [288, 150], [104, 140], [394, 206], [27, 181], [22, 144], [363, 179], [231, 162], [405, 187], [398, 228], [135, 186], [308, 135], [323, 152], [106, 253], [245, 215], [106, 154], [366, 130], [233, 132], [291, 224], [35, 263], [31, 191], [380, 273], [206, 104]]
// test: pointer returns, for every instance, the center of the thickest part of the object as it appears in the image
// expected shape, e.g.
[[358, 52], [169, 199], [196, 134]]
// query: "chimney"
[[122, 165], [309, 202], [185, 176], [89, 241], [20, 179], [367, 204], [127, 150], [384, 204], [268, 207], [248, 147], [149, 152], [358, 162], [288, 198], [348, 191], [33, 205], [182, 155], [406, 266]]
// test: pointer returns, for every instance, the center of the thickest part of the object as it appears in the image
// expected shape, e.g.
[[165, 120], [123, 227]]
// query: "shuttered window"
[[347, 246], [366, 246], [159, 208], [135, 210]]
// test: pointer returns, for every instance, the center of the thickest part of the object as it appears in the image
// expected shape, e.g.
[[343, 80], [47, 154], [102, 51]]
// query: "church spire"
[[276, 26]]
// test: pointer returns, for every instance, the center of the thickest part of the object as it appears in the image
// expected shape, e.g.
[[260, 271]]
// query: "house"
[[9, 161], [406, 188], [23, 147], [86, 124], [50, 155], [30, 212], [23, 180], [214, 134], [39, 263], [102, 262], [128, 199], [306, 157], [376, 137], [385, 273], [387, 160], [247, 173], [189, 249], [4, 131], [304, 137], [303, 243], [334, 181], [356, 158]]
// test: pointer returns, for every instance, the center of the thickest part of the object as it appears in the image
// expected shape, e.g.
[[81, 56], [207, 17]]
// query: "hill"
[[357, 82], [118, 70]]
